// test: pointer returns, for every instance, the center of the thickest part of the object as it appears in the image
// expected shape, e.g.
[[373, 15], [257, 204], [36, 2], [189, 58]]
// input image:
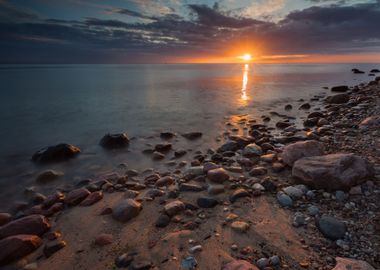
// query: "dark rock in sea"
[[112, 141], [126, 210], [123, 261], [180, 153], [48, 175], [238, 193], [375, 70], [192, 135], [206, 202], [295, 151], [163, 147], [190, 187], [5, 218], [283, 125], [229, 146], [340, 88], [338, 99], [166, 135], [288, 107], [76, 196], [17, 246], [332, 172], [357, 71], [52, 247], [33, 224], [93, 198], [331, 227], [305, 106], [59, 152]]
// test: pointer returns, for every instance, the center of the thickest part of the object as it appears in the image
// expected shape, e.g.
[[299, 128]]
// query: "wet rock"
[[331, 227], [340, 88], [180, 153], [357, 71], [338, 99], [206, 202], [347, 264], [93, 198], [190, 187], [162, 221], [288, 107], [252, 150], [238, 193], [52, 247], [284, 200], [140, 265], [76, 196], [157, 155], [305, 106], [332, 172], [293, 192], [59, 152], [229, 146], [126, 210], [163, 147], [215, 189], [5, 218], [112, 141], [33, 225], [103, 239], [173, 208], [165, 181], [167, 135], [375, 70], [239, 265], [192, 135], [240, 226], [48, 175], [258, 171], [218, 175], [17, 246], [297, 150], [283, 125], [123, 260]]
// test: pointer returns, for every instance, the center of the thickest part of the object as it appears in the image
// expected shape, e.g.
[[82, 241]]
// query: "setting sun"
[[246, 57]]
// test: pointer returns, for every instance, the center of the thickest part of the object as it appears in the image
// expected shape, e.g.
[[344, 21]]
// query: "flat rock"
[[351, 264], [93, 198], [332, 172], [331, 227], [33, 225], [126, 210], [218, 175], [239, 265], [59, 152], [17, 246], [297, 150], [76, 196]]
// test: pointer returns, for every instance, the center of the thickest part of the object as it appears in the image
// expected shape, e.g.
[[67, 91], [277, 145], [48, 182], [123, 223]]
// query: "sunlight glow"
[[246, 57], [244, 96]]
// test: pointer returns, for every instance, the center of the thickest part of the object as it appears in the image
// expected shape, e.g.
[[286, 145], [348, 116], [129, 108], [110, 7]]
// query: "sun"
[[246, 57]]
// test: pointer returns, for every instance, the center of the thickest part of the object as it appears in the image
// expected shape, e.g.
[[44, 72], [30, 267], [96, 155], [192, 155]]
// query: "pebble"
[[262, 263], [240, 226], [284, 199], [206, 202]]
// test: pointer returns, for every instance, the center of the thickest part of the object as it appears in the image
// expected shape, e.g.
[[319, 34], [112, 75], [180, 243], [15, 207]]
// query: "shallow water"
[[42, 105]]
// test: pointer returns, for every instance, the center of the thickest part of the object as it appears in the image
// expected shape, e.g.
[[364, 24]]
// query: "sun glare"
[[246, 57]]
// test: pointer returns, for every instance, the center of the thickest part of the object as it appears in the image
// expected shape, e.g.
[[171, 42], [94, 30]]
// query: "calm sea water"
[[42, 105]]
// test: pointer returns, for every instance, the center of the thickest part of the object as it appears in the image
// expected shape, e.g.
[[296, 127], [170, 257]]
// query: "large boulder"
[[338, 99], [33, 224], [17, 246], [332, 172], [59, 152], [126, 210], [239, 265], [351, 264], [112, 141], [297, 150]]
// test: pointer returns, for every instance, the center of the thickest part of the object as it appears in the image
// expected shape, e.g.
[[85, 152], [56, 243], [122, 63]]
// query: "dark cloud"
[[330, 29]]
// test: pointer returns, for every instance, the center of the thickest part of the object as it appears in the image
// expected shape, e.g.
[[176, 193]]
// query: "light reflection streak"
[[244, 95]]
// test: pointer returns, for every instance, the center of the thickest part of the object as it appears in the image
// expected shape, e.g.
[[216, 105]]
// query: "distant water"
[[42, 105]]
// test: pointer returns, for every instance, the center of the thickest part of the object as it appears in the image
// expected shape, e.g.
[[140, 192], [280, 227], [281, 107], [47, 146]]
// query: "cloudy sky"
[[167, 31]]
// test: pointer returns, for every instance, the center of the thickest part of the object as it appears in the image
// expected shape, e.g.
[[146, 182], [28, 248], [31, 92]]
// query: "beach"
[[291, 184]]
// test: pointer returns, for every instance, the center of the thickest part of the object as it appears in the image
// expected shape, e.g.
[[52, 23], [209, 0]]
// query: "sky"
[[189, 31]]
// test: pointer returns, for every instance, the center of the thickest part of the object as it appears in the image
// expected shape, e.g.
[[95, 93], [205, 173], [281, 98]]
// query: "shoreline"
[[240, 216]]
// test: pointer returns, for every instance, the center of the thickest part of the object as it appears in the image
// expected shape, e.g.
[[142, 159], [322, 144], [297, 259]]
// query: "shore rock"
[[252, 150], [206, 202], [174, 207], [338, 99], [103, 239], [332, 172], [192, 135], [5, 218], [238, 193], [295, 151], [59, 152], [53, 246], [92, 198], [340, 88], [48, 175], [239, 265], [33, 224], [284, 199], [126, 210], [331, 227], [17, 246], [351, 264], [165, 181], [112, 141], [76, 196], [218, 175], [240, 226]]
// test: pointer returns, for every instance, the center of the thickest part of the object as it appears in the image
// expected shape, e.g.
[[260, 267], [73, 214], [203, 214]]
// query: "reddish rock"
[[239, 265], [332, 172], [5, 218], [103, 239], [218, 175], [34, 224], [92, 198], [17, 246], [53, 209], [54, 198], [174, 207], [165, 181], [351, 264], [56, 153], [76, 196], [295, 151]]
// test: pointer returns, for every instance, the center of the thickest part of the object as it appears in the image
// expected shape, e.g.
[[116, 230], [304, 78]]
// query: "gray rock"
[[126, 210], [313, 210], [284, 200], [252, 150], [262, 263], [298, 150], [299, 219], [331, 227], [293, 192], [206, 202]]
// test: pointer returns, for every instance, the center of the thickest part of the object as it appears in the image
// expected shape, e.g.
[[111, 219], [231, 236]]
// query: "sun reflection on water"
[[244, 95]]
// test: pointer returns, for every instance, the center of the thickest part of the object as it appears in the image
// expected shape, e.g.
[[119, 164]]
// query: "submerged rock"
[[338, 99], [192, 135], [297, 150], [59, 152], [48, 175], [332, 172], [340, 88], [112, 141], [17, 246]]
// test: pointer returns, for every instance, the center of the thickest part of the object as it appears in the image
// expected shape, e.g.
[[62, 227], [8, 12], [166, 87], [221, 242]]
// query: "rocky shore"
[[273, 195]]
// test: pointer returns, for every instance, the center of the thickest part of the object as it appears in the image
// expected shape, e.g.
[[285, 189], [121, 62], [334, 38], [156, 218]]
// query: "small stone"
[[48, 175], [240, 226], [293, 192], [252, 150], [140, 265], [299, 219], [192, 135], [52, 247], [340, 196], [218, 175], [123, 260], [215, 189], [126, 210], [262, 263], [331, 227], [112, 141], [103, 239], [258, 171], [195, 249], [190, 187], [76, 196], [31, 225], [162, 221], [174, 207], [284, 199], [92, 198], [157, 155], [238, 193], [313, 210], [206, 202], [189, 263], [17, 246], [274, 260]]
